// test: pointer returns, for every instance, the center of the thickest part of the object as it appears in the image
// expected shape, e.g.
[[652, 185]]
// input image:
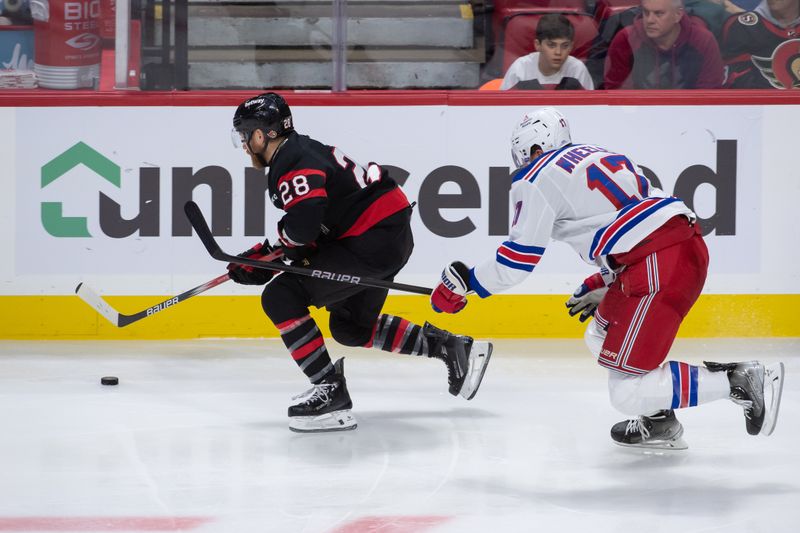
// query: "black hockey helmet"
[[267, 112]]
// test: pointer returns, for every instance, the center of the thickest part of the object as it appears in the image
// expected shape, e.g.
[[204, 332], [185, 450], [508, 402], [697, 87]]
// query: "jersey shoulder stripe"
[[627, 219], [530, 172], [307, 172], [383, 207], [300, 185], [519, 256]]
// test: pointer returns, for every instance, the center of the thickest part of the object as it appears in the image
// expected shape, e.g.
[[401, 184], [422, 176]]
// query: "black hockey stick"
[[201, 228], [120, 320]]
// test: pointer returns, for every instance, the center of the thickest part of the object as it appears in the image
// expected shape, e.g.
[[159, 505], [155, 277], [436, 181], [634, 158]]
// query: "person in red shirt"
[[664, 49]]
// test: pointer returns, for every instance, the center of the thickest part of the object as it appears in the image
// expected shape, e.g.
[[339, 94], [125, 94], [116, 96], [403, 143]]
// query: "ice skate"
[[773, 390], [660, 431], [324, 407], [466, 359], [751, 386]]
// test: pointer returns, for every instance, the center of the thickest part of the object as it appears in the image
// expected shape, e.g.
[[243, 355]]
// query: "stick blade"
[[198, 222], [98, 304]]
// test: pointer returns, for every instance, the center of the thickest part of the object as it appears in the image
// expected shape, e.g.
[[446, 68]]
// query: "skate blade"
[[479, 356], [773, 390], [336, 421], [658, 446]]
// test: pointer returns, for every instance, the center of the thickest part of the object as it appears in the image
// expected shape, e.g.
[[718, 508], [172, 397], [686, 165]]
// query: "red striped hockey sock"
[[695, 385], [304, 340], [684, 384], [398, 335]]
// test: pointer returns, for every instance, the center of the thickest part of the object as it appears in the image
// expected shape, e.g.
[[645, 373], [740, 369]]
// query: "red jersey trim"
[[385, 206], [783, 33], [302, 172], [316, 193], [739, 59], [733, 76]]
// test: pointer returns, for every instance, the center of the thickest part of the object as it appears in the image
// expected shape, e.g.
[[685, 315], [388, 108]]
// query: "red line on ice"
[[101, 523], [392, 524]]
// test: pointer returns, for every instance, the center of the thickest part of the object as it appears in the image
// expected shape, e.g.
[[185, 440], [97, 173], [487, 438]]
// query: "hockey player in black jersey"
[[341, 217]]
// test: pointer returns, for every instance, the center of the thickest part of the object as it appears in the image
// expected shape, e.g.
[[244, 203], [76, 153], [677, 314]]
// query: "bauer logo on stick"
[[162, 306], [321, 274]]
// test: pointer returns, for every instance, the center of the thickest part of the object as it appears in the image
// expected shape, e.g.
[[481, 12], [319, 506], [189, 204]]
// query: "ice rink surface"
[[195, 438]]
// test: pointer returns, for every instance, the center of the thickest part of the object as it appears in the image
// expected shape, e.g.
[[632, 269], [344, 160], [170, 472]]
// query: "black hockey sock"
[[304, 340], [395, 334]]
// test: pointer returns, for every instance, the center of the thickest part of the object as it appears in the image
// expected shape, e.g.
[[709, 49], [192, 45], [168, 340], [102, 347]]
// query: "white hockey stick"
[[120, 320]]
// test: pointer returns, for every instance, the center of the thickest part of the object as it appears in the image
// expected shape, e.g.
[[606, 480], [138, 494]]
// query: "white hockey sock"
[[673, 385], [712, 386]]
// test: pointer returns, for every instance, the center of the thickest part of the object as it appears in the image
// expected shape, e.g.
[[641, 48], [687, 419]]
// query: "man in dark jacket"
[[664, 49], [338, 217]]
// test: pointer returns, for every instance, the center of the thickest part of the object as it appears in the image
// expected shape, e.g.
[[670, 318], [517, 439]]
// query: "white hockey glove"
[[589, 295]]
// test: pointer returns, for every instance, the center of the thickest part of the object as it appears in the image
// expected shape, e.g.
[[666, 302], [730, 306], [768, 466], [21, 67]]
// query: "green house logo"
[[53, 219]]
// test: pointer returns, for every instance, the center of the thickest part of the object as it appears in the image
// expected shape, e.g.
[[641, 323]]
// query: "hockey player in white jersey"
[[652, 266]]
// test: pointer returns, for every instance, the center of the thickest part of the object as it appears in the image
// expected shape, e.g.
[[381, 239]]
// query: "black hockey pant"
[[354, 310]]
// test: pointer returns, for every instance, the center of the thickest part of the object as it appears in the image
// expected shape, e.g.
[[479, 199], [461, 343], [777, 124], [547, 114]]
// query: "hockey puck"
[[109, 380]]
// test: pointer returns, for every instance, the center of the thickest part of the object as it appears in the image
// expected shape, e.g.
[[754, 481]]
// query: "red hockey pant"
[[646, 304]]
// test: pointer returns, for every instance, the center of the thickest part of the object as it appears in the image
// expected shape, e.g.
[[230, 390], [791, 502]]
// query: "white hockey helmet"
[[546, 128]]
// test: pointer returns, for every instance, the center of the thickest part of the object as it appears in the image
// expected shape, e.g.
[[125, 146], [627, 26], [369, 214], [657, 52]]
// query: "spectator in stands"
[[663, 49], [761, 47], [550, 66]]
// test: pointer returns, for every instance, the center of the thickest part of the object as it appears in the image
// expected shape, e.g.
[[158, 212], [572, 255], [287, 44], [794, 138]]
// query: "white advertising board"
[[95, 193]]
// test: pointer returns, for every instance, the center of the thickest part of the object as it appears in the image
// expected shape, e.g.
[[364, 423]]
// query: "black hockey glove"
[[296, 253], [248, 275], [299, 254]]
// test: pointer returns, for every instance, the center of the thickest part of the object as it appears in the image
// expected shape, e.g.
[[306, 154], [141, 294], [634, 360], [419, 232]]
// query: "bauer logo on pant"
[[609, 354]]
